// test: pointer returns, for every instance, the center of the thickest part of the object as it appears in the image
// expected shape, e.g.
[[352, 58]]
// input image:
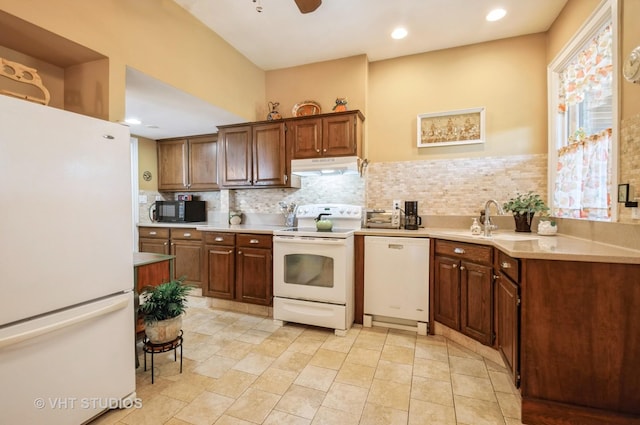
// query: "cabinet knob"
[[165, 244], [455, 266], [219, 239], [505, 265], [324, 150], [254, 241], [318, 150], [458, 250], [496, 277], [230, 251], [461, 267], [239, 252]]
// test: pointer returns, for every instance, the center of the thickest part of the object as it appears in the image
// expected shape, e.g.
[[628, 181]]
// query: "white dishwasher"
[[396, 282]]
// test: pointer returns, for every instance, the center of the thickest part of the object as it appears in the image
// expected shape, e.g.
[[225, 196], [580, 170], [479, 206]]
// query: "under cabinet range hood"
[[328, 166]]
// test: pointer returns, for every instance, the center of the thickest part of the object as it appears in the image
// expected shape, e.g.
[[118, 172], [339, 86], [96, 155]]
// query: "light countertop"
[[519, 245], [142, 258], [525, 245]]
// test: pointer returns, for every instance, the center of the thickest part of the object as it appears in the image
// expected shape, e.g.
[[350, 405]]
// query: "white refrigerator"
[[66, 268]]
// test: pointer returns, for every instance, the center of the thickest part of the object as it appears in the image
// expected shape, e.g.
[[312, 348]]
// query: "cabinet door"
[[235, 156], [254, 276], [203, 166], [508, 324], [220, 271], [188, 261], [305, 137], [447, 292], [172, 165], [476, 301], [339, 135], [157, 246], [269, 155]]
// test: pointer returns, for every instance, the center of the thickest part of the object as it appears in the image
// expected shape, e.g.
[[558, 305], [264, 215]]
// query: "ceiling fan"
[[307, 6]]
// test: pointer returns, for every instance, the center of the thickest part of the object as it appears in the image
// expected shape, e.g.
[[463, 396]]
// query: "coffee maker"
[[411, 218]]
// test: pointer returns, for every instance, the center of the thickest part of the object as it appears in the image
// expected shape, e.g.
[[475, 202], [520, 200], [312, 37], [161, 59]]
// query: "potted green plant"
[[524, 206], [162, 308]]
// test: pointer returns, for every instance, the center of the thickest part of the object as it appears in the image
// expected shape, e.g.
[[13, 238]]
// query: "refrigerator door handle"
[[15, 339]]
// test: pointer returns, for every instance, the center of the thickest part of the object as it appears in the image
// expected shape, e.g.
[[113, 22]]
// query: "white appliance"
[[313, 271], [396, 282], [67, 349], [327, 166]]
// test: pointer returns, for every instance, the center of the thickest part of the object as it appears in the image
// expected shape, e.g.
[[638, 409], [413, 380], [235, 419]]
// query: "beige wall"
[[156, 37], [147, 161], [322, 82], [507, 77], [629, 40]]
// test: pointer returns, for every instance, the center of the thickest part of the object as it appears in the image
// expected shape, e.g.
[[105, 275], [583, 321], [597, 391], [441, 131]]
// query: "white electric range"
[[313, 271]]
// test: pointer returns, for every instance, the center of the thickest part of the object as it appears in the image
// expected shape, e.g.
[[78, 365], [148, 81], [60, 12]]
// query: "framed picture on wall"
[[459, 127]]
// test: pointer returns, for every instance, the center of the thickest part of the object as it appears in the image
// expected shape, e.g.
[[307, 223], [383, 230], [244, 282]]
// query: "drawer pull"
[[396, 246], [458, 250], [254, 241], [187, 235], [505, 265], [219, 239], [153, 233]]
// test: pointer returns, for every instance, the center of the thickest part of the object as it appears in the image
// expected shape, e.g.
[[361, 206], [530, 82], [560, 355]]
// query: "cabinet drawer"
[[153, 232], [188, 234], [466, 251], [227, 239], [509, 265], [253, 241]]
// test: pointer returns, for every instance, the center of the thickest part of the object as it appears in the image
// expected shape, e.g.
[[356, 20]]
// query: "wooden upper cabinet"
[[235, 156], [253, 155], [203, 164], [269, 155], [172, 163], [188, 164], [340, 135], [306, 137], [336, 134]]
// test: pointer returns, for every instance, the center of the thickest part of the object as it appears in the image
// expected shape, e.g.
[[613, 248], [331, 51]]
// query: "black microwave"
[[180, 211]]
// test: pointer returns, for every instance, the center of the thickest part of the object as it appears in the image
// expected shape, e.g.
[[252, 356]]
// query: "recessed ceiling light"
[[132, 121], [399, 33], [496, 15]]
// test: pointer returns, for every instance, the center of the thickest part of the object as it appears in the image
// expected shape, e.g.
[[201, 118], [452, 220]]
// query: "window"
[[583, 121]]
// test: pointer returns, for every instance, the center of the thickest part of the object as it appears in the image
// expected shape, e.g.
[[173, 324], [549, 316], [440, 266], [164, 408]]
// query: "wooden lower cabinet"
[[154, 239], [580, 343], [462, 288], [186, 245], [254, 276], [220, 265], [507, 303], [239, 267]]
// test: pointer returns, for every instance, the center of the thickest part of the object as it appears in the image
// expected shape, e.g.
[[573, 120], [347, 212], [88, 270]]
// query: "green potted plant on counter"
[[162, 308], [524, 206]]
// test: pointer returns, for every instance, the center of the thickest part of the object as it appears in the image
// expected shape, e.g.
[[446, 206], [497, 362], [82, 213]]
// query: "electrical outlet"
[[396, 204]]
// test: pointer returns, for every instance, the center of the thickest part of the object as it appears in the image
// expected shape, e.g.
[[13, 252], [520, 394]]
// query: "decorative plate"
[[308, 107]]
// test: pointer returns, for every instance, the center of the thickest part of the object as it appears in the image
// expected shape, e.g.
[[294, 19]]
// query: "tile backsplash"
[[455, 186]]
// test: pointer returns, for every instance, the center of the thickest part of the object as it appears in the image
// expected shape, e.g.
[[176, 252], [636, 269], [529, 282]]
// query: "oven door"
[[315, 269]]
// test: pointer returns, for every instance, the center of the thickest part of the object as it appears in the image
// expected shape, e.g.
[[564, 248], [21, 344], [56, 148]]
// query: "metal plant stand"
[[151, 348]]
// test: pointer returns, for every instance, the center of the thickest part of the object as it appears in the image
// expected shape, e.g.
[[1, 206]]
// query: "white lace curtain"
[[582, 179]]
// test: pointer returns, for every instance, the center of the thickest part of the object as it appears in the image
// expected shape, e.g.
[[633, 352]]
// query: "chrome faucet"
[[488, 227]]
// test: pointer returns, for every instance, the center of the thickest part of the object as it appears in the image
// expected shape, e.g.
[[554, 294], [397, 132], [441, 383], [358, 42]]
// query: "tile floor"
[[241, 369]]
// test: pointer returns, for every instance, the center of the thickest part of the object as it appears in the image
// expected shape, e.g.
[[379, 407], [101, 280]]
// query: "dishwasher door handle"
[[395, 246]]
